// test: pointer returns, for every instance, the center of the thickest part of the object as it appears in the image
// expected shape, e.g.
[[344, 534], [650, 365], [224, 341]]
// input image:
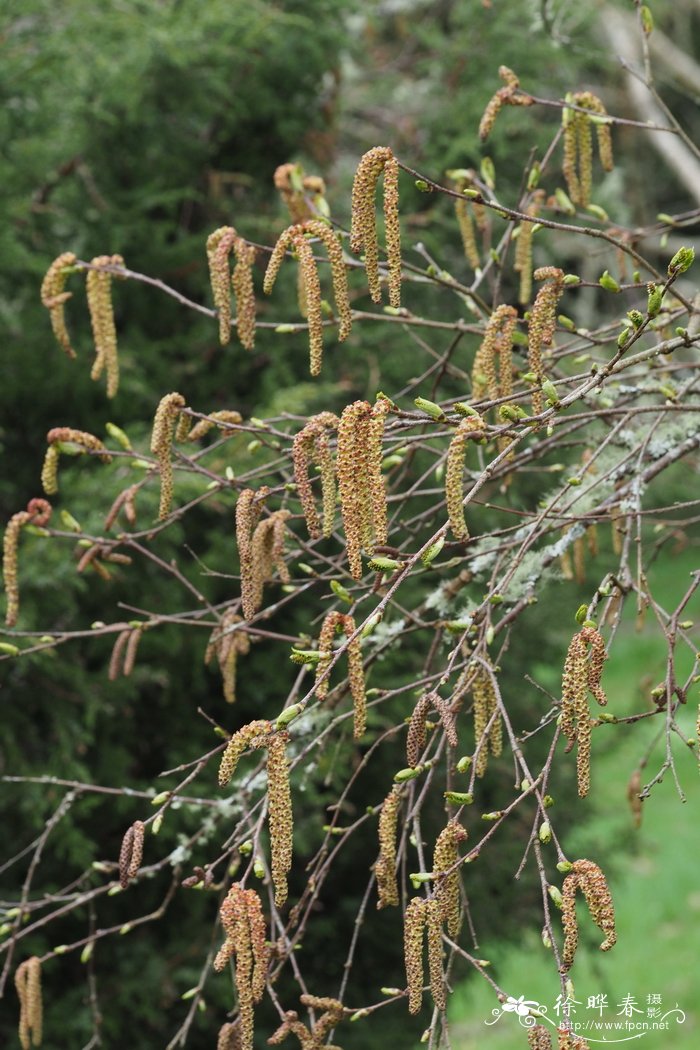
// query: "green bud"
[[597, 212], [681, 261], [464, 764], [511, 413], [391, 461], [488, 172], [564, 866], [305, 656], [5, 928], [550, 391], [546, 940], [520, 338], [686, 624], [60, 949], [418, 878], [581, 613], [459, 798], [69, 521], [369, 627], [623, 338], [547, 801], [410, 773], [258, 868], [668, 391], [285, 329], [288, 715], [119, 436], [428, 556], [423, 186], [391, 991], [140, 464], [647, 19], [496, 814], [340, 592], [359, 1014], [566, 322], [525, 784], [607, 281], [574, 481], [160, 798], [545, 832], [157, 823], [463, 409], [429, 407], [9, 649], [533, 176], [555, 894], [636, 318], [571, 279], [564, 201], [654, 299], [378, 564], [496, 599], [605, 716]]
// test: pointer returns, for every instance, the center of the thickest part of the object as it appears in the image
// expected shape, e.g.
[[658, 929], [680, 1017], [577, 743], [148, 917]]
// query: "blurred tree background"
[[138, 128]]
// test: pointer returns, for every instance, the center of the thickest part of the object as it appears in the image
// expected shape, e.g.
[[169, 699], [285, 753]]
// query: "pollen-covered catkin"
[[385, 867], [445, 857], [38, 512], [28, 985], [581, 674], [244, 926], [161, 443], [538, 1038], [485, 712], [49, 471], [496, 346], [363, 231], [228, 645], [578, 147], [229, 1037], [266, 555], [219, 246], [356, 677], [454, 473], [55, 438], [253, 733], [279, 813], [54, 298], [311, 445], [218, 419], [338, 273], [510, 95], [587, 877], [542, 324], [244, 292], [352, 466], [434, 931], [414, 923], [131, 853], [99, 297], [523, 248], [417, 734]]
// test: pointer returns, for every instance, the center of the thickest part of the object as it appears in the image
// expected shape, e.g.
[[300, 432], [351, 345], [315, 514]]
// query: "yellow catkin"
[[385, 867], [434, 932], [579, 552], [28, 985], [568, 1040], [538, 1038], [225, 420], [541, 326], [582, 673], [464, 210], [266, 555], [496, 347], [356, 678], [49, 471], [229, 1037], [352, 467], [279, 813], [228, 645], [454, 472], [54, 298], [244, 927], [244, 292], [311, 445], [414, 923], [376, 482], [161, 443], [299, 191], [578, 147], [38, 512], [523, 248], [253, 734], [248, 511], [445, 857], [338, 273], [485, 707], [510, 95], [363, 231], [57, 436], [587, 877], [294, 237], [219, 246], [99, 297]]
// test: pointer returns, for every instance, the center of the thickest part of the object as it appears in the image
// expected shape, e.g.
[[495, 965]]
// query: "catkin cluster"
[[296, 237], [423, 916], [161, 443], [299, 191], [486, 714], [244, 926], [417, 729], [445, 858], [578, 146], [260, 547], [468, 428], [220, 244], [104, 332], [124, 652], [311, 445], [464, 210], [538, 1038], [228, 645], [59, 436], [363, 229], [229, 1037], [225, 420], [360, 479], [54, 297], [131, 853], [337, 621], [38, 512], [523, 248], [385, 866], [492, 371], [582, 673], [332, 1012], [587, 877], [28, 985], [261, 734], [510, 95], [542, 324]]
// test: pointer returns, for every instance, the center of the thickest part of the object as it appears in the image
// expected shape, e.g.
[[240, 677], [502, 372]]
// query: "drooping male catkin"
[[38, 512], [131, 853], [578, 148], [220, 244], [485, 712], [363, 231], [538, 1038], [492, 371], [266, 556], [542, 324], [445, 857], [299, 191], [417, 731], [225, 420], [99, 298], [28, 985], [228, 645], [280, 817], [244, 926], [58, 436], [586, 876], [523, 248], [510, 95], [253, 734], [337, 621], [54, 298], [362, 486], [454, 474], [229, 1037], [582, 673], [414, 924], [161, 443], [385, 866], [311, 445]]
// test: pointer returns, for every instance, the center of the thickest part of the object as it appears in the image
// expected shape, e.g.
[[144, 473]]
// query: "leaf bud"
[[607, 281]]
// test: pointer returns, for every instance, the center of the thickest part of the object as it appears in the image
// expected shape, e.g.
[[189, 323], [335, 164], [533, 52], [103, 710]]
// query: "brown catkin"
[[99, 297], [243, 290], [338, 273], [279, 813], [363, 231], [568, 919], [54, 297], [219, 246], [568, 1040], [580, 675], [161, 443], [28, 985], [295, 187], [538, 1038], [376, 483], [294, 236], [587, 877], [356, 679], [496, 346], [417, 733], [266, 555], [434, 931], [229, 1037], [332, 622], [228, 645], [244, 926], [238, 743], [385, 867], [485, 709], [541, 326], [509, 95], [38, 512], [138, 829], [248, 510], [115, 660], [445, 857], [311, 445], [125, 853], [414, 923]]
